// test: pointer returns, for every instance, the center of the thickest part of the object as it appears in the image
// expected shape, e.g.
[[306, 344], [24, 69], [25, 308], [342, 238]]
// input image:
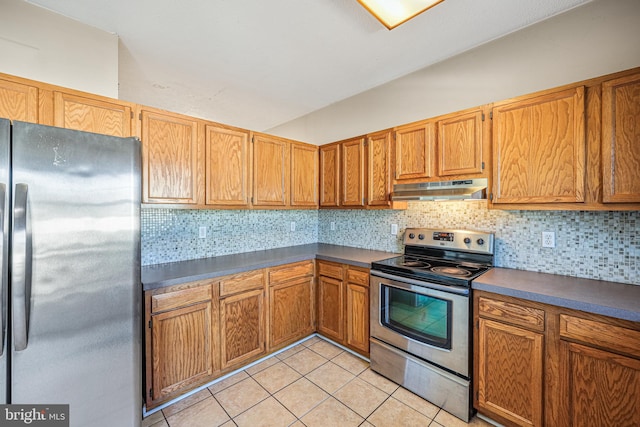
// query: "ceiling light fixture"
[[395, 12]]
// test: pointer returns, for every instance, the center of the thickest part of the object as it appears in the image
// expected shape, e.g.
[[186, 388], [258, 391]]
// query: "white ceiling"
[[257, 63]]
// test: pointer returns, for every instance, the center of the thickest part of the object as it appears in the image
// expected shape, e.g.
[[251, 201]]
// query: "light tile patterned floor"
[[313, 384]]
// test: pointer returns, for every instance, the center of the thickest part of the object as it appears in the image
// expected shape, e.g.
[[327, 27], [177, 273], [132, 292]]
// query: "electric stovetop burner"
[[450, 257]]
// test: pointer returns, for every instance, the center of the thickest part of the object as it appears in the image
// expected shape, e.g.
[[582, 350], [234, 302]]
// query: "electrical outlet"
[[333, 226], [548, 239], [394, 229], [293, 226], [202, 232]]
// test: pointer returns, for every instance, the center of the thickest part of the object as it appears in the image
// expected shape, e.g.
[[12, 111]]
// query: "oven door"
[[432, 324]]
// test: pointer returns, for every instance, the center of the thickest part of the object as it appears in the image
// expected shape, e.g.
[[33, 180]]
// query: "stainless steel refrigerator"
[[71, 272]]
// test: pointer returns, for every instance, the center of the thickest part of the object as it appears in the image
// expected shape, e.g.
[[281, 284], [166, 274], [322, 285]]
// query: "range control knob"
[[480, 242], [467, 240], [421, 236], [412, 236]]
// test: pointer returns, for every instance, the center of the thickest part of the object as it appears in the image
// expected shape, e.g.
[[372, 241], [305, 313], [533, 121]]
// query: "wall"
[[41, 45], [595, 39], [172, 235], [594, 245]]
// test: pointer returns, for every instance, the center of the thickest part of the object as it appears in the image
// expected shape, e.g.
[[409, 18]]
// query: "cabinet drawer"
[[512, 312], [601, 334], [241, 282], [358, 276], [330, 270], [180, 298], [291, 271]]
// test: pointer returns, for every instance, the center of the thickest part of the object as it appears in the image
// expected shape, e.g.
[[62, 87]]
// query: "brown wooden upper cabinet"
[[342, 176], [621, 140], [539, 148], [92, 114], [415, 154], [379, 169], [171, 158], [461, 144], [330, 175], [18, 101], [271, 156], [227, 167], [353, 173], [356, 173], [304, 175]]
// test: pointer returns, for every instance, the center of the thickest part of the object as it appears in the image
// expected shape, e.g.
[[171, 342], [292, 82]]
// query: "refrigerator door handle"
[[20, 269], [3, 252]]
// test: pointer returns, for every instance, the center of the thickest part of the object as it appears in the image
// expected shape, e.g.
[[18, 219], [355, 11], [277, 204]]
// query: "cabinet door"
[[330, 175], [460, 144], [242, 327], [304, 175], [510, 361], [91, 115], [227, 167], [415, 151], [331, 308], [18, 102], [539, 149], [182, 349], [621, 140], [171, 167], [379, 169], [603, 388], [358, 317], [353, 164], [270, 171], [290, 311]]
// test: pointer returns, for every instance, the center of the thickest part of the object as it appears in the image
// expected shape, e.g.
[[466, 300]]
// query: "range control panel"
[[462, 240]]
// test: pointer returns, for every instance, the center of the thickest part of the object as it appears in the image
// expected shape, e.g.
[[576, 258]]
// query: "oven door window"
[[421, 317]]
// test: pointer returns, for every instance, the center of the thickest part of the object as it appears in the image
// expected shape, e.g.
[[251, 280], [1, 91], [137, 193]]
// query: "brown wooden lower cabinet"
[[539, 364], [181, 340], [242, 327], [331, 308], [242, 318], [198, 331], [343, 305], [510, 372], [291, 303], [357, 310]]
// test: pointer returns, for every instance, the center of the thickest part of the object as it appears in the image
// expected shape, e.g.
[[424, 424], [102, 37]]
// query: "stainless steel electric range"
[[421, 314]]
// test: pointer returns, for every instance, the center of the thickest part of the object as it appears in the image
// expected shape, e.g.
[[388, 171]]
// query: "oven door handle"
[[443, 288]]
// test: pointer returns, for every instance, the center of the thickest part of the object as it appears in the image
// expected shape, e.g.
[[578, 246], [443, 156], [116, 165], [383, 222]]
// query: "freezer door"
[[5, 127], [75, 274]]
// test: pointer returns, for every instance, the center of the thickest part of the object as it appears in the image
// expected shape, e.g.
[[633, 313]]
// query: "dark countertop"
[[174, 273], [612, 299]]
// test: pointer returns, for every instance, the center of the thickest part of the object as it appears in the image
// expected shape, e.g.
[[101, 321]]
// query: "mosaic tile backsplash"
[[170, 235], [595, 245]]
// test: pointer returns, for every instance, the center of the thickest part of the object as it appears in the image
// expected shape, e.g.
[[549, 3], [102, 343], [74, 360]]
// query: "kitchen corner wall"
[[170, 235], [594, 245]]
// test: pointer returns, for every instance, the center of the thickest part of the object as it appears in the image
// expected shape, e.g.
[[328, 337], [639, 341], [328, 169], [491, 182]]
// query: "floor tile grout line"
[[186, 407], [311, 409], [255, 404]]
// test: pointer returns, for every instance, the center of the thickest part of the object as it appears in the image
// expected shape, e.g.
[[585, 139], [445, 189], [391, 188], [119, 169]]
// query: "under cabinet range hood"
[[443, 190]]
